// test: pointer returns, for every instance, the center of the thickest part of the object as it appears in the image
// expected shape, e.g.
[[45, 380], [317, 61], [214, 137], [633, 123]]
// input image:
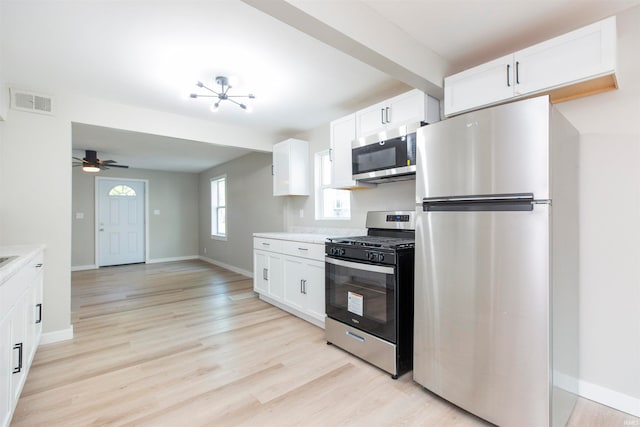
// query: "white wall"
[[35, 183], [390, 196], [173, 233], [610, 229]]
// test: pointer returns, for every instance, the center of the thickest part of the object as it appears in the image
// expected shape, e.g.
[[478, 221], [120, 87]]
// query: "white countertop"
[[25, 253], [296, 237], [311, 234]]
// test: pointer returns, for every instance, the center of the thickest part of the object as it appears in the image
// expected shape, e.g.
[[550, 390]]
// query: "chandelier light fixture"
[[222, 95]]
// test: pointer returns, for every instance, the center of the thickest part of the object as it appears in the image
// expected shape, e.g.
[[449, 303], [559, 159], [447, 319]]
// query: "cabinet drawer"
[[271, 245], [304, 250], [13, 289]]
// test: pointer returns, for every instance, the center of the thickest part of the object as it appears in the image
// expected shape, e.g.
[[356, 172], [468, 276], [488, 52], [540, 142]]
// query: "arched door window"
[[122, 190]]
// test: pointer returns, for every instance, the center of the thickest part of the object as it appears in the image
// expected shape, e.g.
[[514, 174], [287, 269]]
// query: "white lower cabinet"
[[268, 274], [290, 275], [304, 286], [20, 330]]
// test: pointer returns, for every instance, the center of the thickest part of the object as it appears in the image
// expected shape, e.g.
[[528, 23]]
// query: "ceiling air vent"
[[31, 102]]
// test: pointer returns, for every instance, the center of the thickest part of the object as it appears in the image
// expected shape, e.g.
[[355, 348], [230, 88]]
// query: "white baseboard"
[[614, 399], [227, 266], [57, 336], [171, 259], [84, 267]]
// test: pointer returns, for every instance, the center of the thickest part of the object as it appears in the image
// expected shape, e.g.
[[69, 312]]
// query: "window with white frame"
[[330, 203], [219, 207]]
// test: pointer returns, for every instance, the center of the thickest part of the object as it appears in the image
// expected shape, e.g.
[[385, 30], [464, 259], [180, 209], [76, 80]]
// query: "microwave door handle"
[[360, 266]]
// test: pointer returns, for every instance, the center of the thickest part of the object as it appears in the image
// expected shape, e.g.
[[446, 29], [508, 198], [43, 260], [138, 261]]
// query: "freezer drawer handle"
[[492, 202]]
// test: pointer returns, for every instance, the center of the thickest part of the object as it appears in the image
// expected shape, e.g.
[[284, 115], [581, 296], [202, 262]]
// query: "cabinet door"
[[343, 132], [579, 55], [371, 120], [261, 272], [406, 108], [482, 85], [38, 284], [314, 288], [6, 358], [291, 168], [276, 281], [294, 273], [19, 345], [280, 169]]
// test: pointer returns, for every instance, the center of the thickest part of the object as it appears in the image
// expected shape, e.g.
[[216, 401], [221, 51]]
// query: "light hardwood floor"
[[188, 344]]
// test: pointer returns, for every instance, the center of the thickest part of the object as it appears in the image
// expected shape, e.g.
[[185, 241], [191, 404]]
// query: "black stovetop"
[[384, 242]]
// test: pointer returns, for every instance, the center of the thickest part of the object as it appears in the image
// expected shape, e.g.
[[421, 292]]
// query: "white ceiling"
[[150, 54]]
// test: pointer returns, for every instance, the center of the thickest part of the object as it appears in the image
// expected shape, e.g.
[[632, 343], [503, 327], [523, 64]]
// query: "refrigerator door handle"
[[490, 202]]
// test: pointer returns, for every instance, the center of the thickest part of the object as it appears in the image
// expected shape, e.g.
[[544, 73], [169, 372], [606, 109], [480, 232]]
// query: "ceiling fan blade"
[[108, 161], [78, 159], [114, 165]]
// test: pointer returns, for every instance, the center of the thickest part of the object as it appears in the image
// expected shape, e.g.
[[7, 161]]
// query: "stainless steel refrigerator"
[[496, 286]]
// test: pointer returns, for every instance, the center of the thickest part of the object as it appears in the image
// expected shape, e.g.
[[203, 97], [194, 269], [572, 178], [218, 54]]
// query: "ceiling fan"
[[91, 163]]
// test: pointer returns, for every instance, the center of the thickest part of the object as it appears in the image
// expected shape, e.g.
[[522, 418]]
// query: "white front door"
[[120, 221]]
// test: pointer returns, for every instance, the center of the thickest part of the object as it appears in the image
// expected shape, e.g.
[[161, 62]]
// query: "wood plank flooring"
[[189, 344]]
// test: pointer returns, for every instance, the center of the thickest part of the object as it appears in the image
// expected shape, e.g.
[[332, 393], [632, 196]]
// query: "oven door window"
[[363, 296]]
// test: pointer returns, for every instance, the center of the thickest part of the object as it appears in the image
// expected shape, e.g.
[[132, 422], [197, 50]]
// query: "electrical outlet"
[[205, 250], [301, 213]]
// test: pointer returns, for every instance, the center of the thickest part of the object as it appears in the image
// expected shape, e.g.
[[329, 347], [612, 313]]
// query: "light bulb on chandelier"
[[223, 95]]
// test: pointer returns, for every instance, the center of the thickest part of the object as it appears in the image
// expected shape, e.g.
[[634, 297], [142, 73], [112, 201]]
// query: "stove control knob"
[[380, 257], [341, 251]]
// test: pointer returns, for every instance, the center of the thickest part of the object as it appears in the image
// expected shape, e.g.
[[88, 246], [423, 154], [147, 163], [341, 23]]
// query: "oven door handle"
[[360, 266]]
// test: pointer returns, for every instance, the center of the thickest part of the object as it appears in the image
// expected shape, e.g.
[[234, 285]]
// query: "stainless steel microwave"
[[385, 156]]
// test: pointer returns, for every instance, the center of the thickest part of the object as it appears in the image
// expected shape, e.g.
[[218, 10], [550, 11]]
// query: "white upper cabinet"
[[343, 132], [582, 54], [482, 85], [575, 64], [412, 106], [291, 168]]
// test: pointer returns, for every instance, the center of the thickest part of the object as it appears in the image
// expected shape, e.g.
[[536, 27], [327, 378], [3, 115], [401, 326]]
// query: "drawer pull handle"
[[266, 244], [19, 348], [303, 249], [265, 273], [355, 337], [39, 265]]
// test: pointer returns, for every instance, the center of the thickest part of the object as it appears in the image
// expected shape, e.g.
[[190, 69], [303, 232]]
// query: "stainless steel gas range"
[[369, 291]]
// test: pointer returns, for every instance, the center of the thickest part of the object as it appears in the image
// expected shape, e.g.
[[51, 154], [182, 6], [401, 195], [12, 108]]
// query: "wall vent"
[[31, 102]]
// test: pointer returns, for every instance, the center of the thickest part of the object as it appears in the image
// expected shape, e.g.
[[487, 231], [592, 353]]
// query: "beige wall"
[[251, 208], [172, 234]]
